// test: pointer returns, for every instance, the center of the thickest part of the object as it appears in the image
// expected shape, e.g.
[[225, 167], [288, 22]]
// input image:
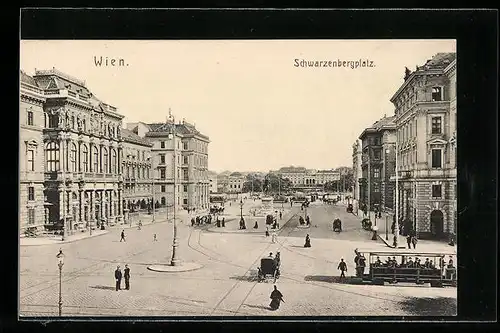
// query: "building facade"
[[302, 178], [137, 174], [182, 149], [212, 177], [31, 155], [79, 156], [222, 183], [235, 182], [377, 165], [426, 135], [356, 167]]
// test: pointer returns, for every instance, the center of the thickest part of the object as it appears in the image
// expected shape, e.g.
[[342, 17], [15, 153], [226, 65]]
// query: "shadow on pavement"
[[103, 287], [262, 307], [299, 246], [332, 279], [427, 306], [247, 278]]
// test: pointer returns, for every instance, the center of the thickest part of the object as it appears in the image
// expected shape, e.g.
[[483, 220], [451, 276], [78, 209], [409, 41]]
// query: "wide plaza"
[[226, 285]]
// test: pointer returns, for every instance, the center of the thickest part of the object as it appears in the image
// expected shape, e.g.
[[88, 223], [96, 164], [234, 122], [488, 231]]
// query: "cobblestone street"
[[226, 285]]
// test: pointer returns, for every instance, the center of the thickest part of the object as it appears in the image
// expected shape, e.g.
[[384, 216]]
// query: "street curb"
[[66, 241], [389, 245]]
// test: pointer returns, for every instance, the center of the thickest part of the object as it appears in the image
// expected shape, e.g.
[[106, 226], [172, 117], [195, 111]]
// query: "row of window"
[[90, 161], [139, 172], [409, 99], [436, 190]]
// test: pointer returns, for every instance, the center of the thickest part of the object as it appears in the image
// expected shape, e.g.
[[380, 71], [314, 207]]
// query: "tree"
[[257, 184], [274, 183], [346, 178]]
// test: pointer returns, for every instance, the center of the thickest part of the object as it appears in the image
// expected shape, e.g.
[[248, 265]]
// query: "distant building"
[[212, 176], [235, 182], [302, 178], [426, 135]]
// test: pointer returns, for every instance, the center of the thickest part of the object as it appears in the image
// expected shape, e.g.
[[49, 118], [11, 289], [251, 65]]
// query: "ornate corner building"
[[426, 135], [79, 169], [70, 165]]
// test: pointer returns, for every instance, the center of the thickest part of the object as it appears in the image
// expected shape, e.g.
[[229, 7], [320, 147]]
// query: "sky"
[[260, 111]]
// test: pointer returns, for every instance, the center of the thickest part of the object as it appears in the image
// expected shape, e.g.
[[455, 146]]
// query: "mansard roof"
[[28, 79], [131, 137]]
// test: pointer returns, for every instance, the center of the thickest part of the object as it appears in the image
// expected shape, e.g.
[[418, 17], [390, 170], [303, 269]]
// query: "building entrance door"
[[97, 213], [437, 222]]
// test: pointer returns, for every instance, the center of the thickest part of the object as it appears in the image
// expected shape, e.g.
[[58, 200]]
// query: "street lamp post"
[[60, 264], [153, 189], [174, 261], [241, 209]]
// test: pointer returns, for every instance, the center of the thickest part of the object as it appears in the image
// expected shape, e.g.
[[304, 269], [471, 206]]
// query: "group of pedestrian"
[[411, 239], [125, 275]]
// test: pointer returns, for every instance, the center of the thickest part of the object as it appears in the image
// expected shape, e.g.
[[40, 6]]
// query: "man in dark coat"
[[118, 278], [126, 275], [122, 238], [223, 222], [343, 268]]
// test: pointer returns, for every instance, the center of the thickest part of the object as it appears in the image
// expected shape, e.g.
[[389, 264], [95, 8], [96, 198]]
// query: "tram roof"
[[405, 252]]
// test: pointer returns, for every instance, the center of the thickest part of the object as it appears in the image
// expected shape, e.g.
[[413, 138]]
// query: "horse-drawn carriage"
[[337, 225], [269, 268], [366, 224], [349, 208]]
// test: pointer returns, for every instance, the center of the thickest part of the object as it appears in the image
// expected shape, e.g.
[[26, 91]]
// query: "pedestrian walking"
[[274, 237], [122, 238], [408, 241], [154, 238], [126, 275], [118, 278], [343, 268], [281, 215], [276, 298], [267, 231], [256, 226], [223, 222], [308, 241], [414, 241]]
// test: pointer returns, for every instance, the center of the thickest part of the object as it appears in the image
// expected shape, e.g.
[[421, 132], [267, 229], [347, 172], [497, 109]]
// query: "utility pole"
[[369, 185], [396, 227], [174, 261]]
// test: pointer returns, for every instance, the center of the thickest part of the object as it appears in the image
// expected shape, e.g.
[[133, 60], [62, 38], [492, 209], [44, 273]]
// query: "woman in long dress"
[[276, 298]]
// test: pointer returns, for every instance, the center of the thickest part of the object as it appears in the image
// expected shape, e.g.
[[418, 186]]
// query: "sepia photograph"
[[170, 178]]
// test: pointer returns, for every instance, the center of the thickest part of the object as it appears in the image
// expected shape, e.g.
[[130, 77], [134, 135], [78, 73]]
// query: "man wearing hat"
[[118, 277], [126, 275], [409, 264]]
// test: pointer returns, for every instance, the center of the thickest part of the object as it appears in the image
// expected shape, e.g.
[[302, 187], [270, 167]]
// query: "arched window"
[[85, 158], [95, 160], [114, 162], [105, 160], [52, 156], [72, 158]]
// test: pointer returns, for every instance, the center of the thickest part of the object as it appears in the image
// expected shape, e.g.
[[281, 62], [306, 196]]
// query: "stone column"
[[91, 204], [80, 204], [119, 218], [79, 156], [103, 201]]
